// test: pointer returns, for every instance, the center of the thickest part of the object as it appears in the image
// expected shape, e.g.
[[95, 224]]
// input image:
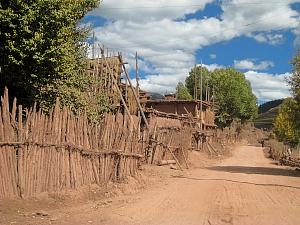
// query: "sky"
[[258, 38]]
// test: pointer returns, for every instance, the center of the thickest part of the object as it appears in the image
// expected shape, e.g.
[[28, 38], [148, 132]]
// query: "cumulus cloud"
[[260, 16], [273, 39], [250, 64], [167, 42], [267, 86], [212, 67], [213, 56], [297, 39], [168, 82], [145, 10]]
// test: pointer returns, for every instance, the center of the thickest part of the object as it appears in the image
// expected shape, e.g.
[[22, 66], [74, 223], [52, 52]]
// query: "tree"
[[234, 96], [194, 80], [232, 92], [42, 55], [295, 79], [287, 122], [182, 92]]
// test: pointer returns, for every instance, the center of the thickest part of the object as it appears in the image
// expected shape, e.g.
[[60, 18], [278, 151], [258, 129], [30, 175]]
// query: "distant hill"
[[269, 105], [267, 112], [265, 120], [155, 96]]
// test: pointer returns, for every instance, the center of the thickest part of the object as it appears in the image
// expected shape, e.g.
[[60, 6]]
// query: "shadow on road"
[[255, 145], [256, 170], [236, 181]]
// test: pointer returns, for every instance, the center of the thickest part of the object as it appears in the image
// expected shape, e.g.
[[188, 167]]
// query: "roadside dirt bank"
[[244, 189]]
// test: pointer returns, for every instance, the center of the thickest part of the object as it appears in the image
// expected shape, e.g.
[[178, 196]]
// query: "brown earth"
[[245, 189]]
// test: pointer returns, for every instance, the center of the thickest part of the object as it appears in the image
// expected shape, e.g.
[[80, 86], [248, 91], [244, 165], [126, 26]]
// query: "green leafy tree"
[[295, 79], [182, 93], [287, 122], [232, 92], [234, 96], [42, 55], [194, 80]]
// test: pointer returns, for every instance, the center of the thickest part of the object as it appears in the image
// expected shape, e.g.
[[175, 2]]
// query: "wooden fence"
[[164, 141], [49, 153]]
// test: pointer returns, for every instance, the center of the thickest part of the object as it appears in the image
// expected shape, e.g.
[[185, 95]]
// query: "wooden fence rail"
[[48, 153]]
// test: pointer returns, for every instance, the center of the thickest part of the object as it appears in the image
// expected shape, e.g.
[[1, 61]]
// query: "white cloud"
[[267, 86], [297, 39], [212, 67], [168, 45], [260, 16], [250, 64], [213, 56], [168, 82], [145, 10], [272, 39]]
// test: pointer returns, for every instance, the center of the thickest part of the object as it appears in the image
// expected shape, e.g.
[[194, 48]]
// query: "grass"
[[265, 120]]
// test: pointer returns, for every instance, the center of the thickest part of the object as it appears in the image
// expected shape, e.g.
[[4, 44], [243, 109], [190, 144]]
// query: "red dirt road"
[[246, 189]]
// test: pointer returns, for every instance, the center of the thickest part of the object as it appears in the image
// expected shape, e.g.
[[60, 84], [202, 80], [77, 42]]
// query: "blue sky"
[[257, 38]]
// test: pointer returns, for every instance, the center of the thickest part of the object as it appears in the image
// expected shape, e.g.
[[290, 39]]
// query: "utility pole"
[[213, 98], [201, 106], [137, 79], [195, 84], [137, 75], [93, 46], [206, 90]]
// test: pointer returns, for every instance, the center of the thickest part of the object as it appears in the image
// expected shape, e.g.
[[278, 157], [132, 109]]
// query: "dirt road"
[[245, 189]]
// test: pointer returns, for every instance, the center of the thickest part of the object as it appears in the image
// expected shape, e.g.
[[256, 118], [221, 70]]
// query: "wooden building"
[[170, 97], [184, 110], [169, 111], [100, 69]]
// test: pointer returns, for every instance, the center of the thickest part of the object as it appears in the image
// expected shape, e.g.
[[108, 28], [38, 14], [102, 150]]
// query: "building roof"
[[180, 101]]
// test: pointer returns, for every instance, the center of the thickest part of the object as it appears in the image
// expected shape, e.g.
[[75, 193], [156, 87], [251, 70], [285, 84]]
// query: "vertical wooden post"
[[20, 152], [137, 75], [213, 99], [126, 89], [206, 90], [195, 84], [126, 100], [115, 83], [137, 80], [134, 93], [201, 97], [93, 46]]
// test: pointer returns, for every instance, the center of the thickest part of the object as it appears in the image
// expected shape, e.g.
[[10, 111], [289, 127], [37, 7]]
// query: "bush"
[[287, 122], [276, 149]]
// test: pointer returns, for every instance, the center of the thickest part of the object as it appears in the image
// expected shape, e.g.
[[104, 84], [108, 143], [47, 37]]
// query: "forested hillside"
[[269, 105]]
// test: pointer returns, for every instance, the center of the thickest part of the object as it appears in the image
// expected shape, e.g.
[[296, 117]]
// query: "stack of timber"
[[105, 70], [168, 143], [50, 153], [225, 136], [193, 113], [289, 161], [163, 121]]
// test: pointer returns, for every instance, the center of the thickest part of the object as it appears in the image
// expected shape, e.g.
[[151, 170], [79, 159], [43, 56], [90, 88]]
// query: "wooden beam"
[[174, 157], [117, 88], [134, 93]]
